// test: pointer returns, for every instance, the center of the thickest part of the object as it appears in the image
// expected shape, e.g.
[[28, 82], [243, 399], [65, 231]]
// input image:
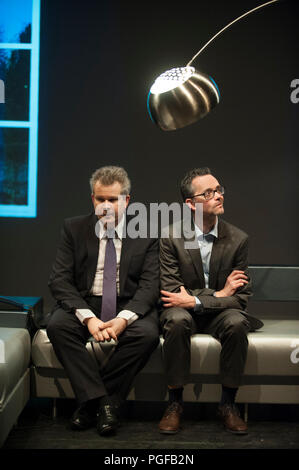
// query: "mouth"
[[107, 216]]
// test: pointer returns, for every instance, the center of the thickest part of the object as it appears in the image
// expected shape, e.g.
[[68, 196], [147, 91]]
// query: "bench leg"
[[246, 412], [54, 409]]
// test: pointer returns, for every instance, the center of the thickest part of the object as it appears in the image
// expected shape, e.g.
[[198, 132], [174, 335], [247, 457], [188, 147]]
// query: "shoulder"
[[80, 222], [174, 236], [231, 231], [172, 231]]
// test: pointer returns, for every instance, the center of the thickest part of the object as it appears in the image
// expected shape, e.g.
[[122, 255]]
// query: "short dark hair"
[[186, 183]]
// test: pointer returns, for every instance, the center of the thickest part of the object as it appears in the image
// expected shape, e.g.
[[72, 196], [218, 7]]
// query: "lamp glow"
[[171, 79]]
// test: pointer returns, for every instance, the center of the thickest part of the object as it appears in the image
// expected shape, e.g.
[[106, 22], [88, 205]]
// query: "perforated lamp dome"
[[183, 95], [180, 97]]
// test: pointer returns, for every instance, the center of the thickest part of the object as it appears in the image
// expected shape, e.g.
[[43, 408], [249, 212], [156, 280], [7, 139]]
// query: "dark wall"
[[98, 60]]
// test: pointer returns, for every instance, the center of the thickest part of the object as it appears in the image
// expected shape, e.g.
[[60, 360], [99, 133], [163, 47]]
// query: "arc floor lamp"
[[183, 95]]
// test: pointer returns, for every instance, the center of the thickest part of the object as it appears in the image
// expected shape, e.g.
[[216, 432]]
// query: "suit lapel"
[[197, 263], [92, 241], [125, 257], [189, 236]]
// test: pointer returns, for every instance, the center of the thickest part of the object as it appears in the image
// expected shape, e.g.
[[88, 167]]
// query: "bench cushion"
[[269, 352], [15, 359], [43, 354]]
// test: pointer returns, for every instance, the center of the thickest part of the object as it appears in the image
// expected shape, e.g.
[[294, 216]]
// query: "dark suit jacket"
[[183, 267], [75, 265]]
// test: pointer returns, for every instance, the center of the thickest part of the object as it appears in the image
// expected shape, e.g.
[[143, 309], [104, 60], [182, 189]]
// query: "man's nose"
[[106, 205]]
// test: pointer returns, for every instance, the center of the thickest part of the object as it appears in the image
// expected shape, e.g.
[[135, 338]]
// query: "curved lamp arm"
[[227, 26]]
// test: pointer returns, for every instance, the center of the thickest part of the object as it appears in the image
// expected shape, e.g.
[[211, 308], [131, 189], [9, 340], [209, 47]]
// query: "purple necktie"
[[109, 281]]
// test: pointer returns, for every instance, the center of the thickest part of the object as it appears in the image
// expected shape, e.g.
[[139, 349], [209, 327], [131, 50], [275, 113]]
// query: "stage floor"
[[270, 427]]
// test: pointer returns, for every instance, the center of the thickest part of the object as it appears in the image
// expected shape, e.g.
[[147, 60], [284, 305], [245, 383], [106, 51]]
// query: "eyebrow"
[[106, 198], [211, 189]]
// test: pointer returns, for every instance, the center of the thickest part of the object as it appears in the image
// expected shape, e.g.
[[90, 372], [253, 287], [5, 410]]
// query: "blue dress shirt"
[[205, 243]]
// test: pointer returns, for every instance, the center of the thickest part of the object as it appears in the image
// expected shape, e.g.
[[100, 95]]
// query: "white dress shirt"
[[97, 287]]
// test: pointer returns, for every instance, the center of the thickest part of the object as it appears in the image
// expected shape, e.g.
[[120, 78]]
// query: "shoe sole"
[[170, 432], [108, 430], [238, 433]]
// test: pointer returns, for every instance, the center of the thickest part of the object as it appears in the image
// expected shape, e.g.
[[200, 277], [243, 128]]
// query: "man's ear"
[[190, 204], [127, 199]]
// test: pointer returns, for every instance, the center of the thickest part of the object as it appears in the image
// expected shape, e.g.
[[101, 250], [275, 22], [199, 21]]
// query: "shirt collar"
[[213, 232], [118, 229]]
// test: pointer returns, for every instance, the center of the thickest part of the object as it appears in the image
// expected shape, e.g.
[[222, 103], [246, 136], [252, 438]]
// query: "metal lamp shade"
[[180, 97]]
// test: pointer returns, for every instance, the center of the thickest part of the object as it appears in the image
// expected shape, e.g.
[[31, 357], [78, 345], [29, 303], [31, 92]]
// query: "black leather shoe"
[[107, 420], [82, 419]]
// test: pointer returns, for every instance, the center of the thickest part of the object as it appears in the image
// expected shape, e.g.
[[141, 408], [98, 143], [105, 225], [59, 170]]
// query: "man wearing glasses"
[[205, 289]]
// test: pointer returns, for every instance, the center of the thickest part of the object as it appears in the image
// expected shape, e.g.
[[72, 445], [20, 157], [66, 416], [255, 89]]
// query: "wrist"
[[219, 293], [87, 320], [128, 315], [124, 321]]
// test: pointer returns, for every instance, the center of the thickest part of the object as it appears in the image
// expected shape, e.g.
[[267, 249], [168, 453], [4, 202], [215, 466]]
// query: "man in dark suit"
[[205, 289], [106, 284]]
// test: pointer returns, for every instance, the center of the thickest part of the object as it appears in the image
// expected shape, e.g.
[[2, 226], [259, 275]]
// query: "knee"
[[177, 320], [55, 328], [150, 333], [148, 339], [52, 329], [237, 326]]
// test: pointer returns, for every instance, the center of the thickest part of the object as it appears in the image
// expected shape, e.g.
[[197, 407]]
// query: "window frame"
[[30, 209]]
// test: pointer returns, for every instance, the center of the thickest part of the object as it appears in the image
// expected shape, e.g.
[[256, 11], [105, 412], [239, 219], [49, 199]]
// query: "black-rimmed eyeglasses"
[[210, 193]]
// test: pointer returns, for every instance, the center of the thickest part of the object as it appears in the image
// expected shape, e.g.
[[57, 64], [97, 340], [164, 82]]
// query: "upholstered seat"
[[269, 364], [15, 348]]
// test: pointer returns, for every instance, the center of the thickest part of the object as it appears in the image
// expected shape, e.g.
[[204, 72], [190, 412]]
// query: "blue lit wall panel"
[[15, 16], [19, 80]]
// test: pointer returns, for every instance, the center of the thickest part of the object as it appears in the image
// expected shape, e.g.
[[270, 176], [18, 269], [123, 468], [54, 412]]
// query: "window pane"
[[13, 166], [15, 79], [15, 17]]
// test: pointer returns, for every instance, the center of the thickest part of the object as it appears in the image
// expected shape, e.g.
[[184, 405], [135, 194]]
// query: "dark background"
[[98, 60]]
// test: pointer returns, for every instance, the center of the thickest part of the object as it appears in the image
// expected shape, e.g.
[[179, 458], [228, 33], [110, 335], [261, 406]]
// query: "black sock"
[[176, 394], [228, 395]]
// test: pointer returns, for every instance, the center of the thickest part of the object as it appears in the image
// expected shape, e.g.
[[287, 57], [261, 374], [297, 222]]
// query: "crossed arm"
[[183, 299], [175, 292]]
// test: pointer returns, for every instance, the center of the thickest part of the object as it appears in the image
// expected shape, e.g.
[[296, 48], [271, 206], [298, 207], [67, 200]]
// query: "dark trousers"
[[230, 327], [68, 337]]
